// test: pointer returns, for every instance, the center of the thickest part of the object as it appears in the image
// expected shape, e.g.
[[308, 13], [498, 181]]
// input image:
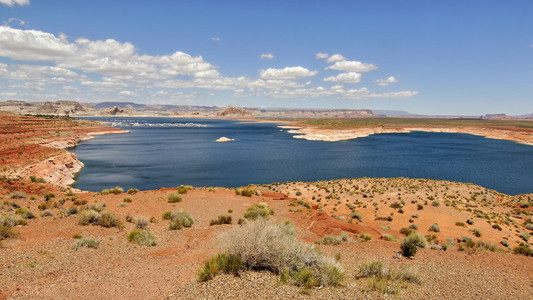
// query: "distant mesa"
[[113, 111], [224, 139], [233, 111]]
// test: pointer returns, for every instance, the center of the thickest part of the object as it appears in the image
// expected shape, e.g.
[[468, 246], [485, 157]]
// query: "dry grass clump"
[[180, 219], [220, 264], [386, 280], [248, 192], [132, 191], [225, 219], [333, 240], [104, 219], [174, 198], [86, 243], [262, 245], [183, 189], [141, 222], [259, 210], [142, 237]]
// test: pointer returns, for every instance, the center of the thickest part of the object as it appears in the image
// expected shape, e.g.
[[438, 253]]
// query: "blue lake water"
[[168, 152]]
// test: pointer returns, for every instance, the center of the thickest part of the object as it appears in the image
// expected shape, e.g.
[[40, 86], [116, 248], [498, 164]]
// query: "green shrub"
[[117, 190], [504, 243], [434, 227], [37, 179], [435, 203], [411, 243], [406, 230], [413, 227], [419, 206], [333, 240], [173, 198], [107, 219], [524, 249], [166, 215], [142, 237], [71, 211], [179, 220], [476, 232], [365, 237], [46, 213], [221, 263], [6, 232], [525, 236], [356, 215], [248, 192], [221, 220], [127, 200], [470, 221], [80, 202], [259, 210], [86, 243], [496, 226], [132, 191], [460, 224], [87, 217], [389, 238], [183, 189]]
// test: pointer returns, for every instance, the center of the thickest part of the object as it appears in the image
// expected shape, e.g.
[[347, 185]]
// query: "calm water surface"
[[167, 152]]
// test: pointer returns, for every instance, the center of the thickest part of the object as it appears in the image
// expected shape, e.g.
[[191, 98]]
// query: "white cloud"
[[352, 66], [386, 82], [267, 56], [33, 45], [216, 39], [127, 93], [13, 2], [287, 73], [321, 55], [335, 57], [14, 20], [350, 77]]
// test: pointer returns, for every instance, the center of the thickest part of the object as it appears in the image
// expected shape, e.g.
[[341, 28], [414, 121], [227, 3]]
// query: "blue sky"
[[428, 57]]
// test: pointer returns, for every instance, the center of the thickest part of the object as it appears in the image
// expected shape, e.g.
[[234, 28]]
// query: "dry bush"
[[259, 210]]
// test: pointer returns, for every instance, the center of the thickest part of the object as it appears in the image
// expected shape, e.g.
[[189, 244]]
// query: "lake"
[[168, 152]]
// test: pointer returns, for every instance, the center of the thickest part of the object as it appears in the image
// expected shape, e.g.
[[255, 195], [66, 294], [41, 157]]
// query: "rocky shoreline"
[[335, 135]]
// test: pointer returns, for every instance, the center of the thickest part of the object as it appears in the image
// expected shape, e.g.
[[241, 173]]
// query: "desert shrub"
[[419, 206], [132, 191], [142, 237], [221, 263], [262, 245], [179, 220], [24, 213], [86, 243], [18, 195], [406, 230], [496, 226], [410, 244], [356, 215], [435, 203], [389, 237], [525, 236], [183, 189], [6, 232], [386, 280], [173, 198], [127, 200], [99, 207], [88, 216], [470, 221], [248, 192], [80, 202], [71, 211], [415, 216], [413, 227], [46, 213], [141, 222], [37, 179], [460, 224], [259, 210], [365, 237], [104, 192], [476, 232], [524, 249], [332, 240], [225, 219], [434, 227], [12, 220], [300, 202], [166, 215], [504, 243], [396, 205], [108, 219], [117, 190]]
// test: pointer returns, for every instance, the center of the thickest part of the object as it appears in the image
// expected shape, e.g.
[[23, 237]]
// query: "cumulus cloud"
[[352, 66], [287, 73], [216, 39], [15, 2], [267, 56], [104, 70], [386, 82], [350, 77], [335, 57]]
